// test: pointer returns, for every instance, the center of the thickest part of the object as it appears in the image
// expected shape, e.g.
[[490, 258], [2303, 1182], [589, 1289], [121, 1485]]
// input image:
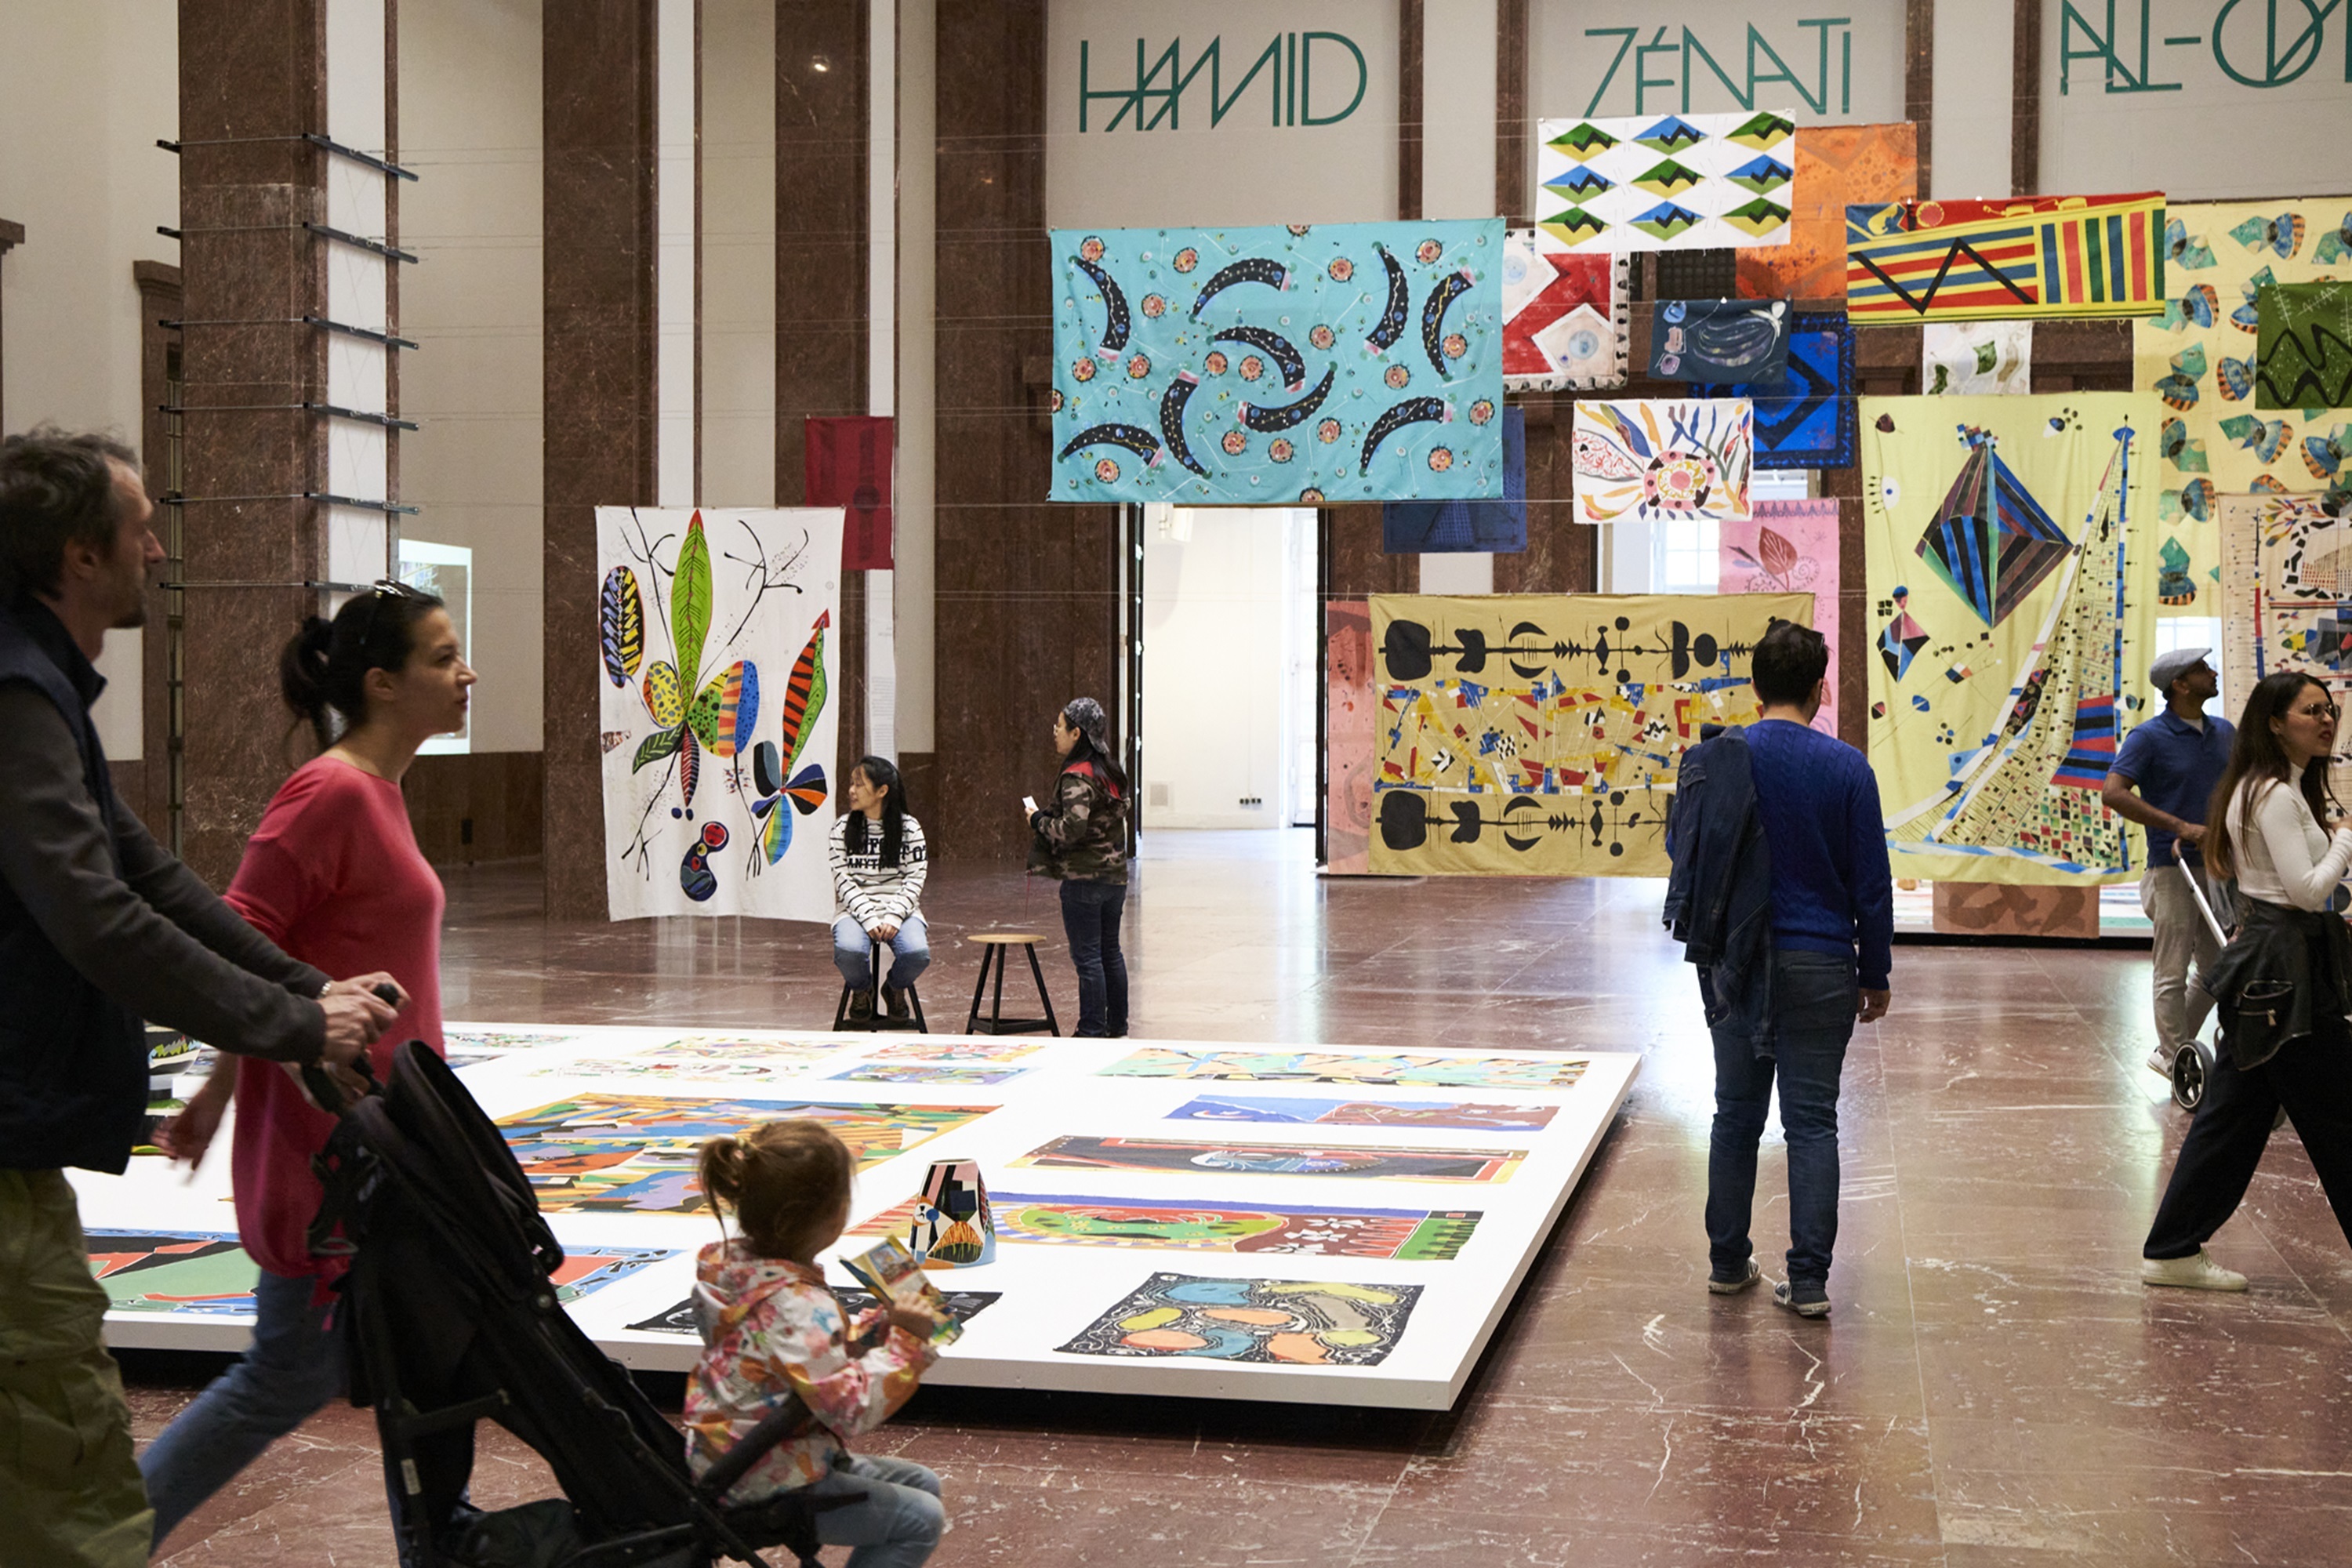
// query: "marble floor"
[[1995, 1385]]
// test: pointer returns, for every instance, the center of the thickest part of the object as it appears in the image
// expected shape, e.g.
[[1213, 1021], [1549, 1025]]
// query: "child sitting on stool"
[[879, 867], [771, 1329]]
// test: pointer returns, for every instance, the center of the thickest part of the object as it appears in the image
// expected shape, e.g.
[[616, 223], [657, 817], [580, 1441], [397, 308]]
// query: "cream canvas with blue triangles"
[[1666, 182]]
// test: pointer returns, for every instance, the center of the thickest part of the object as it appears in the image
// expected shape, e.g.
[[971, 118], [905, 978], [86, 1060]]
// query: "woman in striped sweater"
[[879, 867]]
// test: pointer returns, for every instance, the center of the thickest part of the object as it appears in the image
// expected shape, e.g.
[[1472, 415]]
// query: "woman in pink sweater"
[[333, 874]]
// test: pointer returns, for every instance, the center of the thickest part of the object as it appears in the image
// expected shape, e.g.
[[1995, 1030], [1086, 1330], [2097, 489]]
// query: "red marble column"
[[252, 82], [821, 279], [597, 115], [1027, 612]]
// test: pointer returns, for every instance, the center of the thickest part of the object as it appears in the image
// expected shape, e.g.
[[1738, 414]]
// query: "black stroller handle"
[[323, 1088]]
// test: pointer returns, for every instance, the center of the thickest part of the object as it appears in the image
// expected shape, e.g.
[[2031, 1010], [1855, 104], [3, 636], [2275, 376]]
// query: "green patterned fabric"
[[2304, 352]]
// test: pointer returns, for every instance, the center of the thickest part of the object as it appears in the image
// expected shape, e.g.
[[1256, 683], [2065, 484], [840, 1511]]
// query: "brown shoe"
[[894, 1000], [861, 1006]]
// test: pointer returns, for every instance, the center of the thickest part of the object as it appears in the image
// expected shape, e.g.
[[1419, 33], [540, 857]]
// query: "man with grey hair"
[[100, 927], [2173, 759]]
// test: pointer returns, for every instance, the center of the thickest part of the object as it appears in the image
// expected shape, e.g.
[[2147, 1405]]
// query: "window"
[[446, 570], [1686, 559]]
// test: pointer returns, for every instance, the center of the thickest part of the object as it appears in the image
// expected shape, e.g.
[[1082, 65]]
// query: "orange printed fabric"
[[1837, 165], [2035, 255], [770, 1329]]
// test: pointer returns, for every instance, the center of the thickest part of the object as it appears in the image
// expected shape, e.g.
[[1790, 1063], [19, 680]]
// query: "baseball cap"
[[2170, 667]]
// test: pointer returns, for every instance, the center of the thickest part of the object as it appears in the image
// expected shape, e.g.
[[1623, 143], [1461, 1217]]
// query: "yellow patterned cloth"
[[1539, 734], [2012, 590], [2198, 357]]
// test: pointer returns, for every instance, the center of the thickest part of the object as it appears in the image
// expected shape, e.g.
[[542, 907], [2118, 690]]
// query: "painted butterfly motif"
[[2179, 388], [2334, 245], [2263, 437], [2182, 249], [2198, 307], [2235, 378], [2183, 453], [2282, 234], [2324, 454], [2245, 316], [2194, 498]]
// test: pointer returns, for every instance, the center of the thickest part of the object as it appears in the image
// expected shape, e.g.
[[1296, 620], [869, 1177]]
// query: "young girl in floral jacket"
[[771, 1329]]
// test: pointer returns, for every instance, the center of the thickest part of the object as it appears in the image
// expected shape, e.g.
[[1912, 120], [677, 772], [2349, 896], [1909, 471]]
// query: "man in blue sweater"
[[1832, 919]]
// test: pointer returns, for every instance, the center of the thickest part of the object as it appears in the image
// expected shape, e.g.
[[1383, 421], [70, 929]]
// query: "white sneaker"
[[2195, 1272], [2160, 1061]]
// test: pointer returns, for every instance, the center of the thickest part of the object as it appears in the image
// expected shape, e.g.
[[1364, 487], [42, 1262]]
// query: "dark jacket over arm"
[[154, 937]]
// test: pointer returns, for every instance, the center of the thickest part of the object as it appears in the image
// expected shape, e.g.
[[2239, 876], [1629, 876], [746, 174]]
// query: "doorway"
[[1229, 659]]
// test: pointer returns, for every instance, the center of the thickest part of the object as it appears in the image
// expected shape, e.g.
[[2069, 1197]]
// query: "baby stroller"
[[2192, 1063], [449, 1318]]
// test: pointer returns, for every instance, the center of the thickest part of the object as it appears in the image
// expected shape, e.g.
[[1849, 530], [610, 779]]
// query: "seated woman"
[[879, 867]]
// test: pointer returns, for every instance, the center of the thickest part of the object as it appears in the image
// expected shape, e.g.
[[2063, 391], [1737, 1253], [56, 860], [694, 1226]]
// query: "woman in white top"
[[2282, 984], [879, 867]]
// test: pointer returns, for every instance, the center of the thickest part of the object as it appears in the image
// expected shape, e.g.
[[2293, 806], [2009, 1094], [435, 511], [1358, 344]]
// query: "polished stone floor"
[[1995, 1385]]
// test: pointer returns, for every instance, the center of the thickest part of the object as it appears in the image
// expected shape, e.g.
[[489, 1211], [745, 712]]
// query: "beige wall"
[[469, 126], [739, 252], [86, 89]]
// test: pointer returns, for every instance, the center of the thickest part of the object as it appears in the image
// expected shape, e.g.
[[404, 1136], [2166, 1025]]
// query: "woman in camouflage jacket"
[[1081, 840]]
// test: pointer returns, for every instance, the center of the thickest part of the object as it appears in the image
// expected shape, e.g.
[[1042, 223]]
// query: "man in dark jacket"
[[100, 927], [1814, 801]]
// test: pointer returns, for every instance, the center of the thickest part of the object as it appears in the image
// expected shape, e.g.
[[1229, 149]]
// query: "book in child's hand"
[[890, 1271]]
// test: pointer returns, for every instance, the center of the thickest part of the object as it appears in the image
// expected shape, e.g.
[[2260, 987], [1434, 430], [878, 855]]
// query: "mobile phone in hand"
[[1029, 804]]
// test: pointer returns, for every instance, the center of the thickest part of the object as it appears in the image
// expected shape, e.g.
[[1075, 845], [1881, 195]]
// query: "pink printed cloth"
[[770, 1329]]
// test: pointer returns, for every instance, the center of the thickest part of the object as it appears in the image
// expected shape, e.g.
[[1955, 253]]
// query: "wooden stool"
[[877, 1021], [992, 951]]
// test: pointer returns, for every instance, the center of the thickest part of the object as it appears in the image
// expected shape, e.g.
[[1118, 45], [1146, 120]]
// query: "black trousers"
[[2313, 1078]]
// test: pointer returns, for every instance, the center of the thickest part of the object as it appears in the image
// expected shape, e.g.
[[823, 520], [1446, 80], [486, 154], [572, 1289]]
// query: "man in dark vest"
[[100, 927]]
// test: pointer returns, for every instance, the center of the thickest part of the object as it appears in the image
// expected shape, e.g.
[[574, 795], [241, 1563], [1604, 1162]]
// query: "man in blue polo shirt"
[[2173, 759]]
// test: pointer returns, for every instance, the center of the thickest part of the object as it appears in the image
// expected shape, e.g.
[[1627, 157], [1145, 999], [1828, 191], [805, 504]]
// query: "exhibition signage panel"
[[715, 720], [2012, 581], [1539, 735], [1278, 366], [1323, 1225]]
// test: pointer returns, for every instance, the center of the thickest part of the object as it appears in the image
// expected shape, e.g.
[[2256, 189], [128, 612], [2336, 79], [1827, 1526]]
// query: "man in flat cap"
[[2173, 759]]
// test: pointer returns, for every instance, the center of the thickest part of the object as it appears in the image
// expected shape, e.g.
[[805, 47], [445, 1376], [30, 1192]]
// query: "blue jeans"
[[1091, 912], [294, 1366], [910, 952], [898, 1525], [1813, 998]]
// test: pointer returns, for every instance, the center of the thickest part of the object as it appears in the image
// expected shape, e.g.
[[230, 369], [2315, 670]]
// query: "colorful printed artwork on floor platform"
[[1567, 319], [682, 1320], [1528, 735], [1296, 1322], [733, 1049], [2009, 259], [663, 1070], [635, 1153], [1353, 720], [957, 1053], [1462, 1114], [2199, 356], [1742, 340], [207, 1272], [1467, 527], [1977, 359], [1278, 366], [1807, 421], [2305, 340], [1837, 166], [2016, 592], [711, 628], [932, 1073], [1666, 182], [1657, 460], [462, 1047], [1788, 547], [1088, 1152], [1357, 1067], [1414, 1236]]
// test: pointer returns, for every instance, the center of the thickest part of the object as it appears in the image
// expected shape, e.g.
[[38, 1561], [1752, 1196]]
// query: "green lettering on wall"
[[1290, 91]]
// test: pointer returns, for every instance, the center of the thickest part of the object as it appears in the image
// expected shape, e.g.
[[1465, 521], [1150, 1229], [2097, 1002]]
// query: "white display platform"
[[1261, 1197]]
